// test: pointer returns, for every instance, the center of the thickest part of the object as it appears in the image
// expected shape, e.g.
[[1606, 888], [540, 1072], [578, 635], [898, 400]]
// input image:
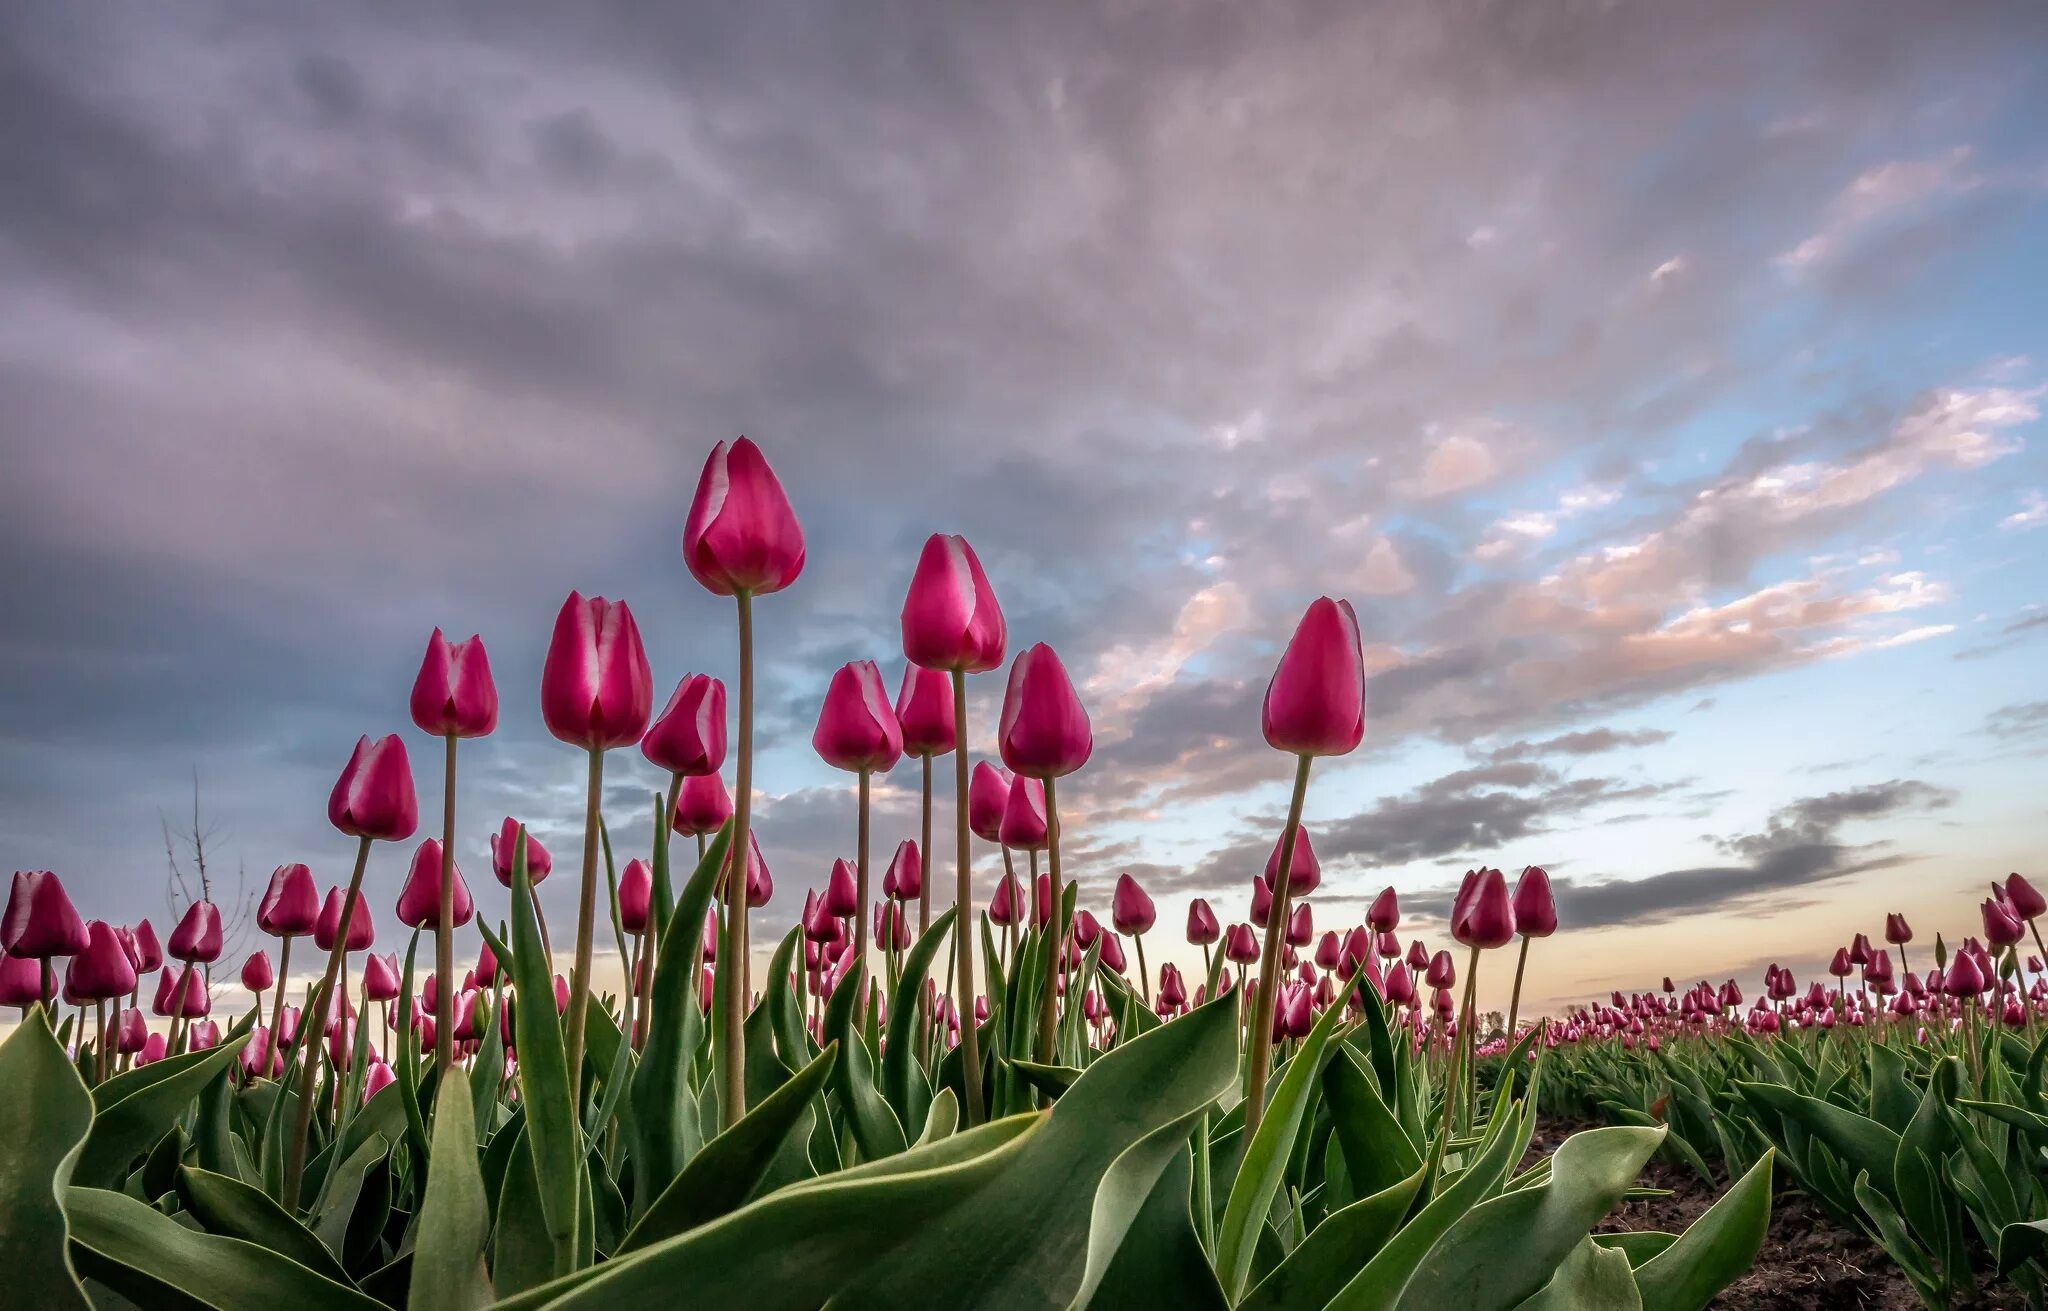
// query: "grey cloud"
[[2023, 719], [1587, 742]]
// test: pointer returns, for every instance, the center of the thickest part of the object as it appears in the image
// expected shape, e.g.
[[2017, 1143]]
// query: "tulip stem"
[[586, 925], [444, 926], [1055, 928], [733, 1024], [1260, 1037], [284, 965], [963, 899], [99, 1055], [1144, 975], [315, 1017], [860, 915], [1018, 909], [1515, 997]]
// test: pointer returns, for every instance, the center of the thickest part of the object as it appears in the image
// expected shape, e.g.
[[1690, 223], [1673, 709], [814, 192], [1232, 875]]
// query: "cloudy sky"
[[1662, 382]]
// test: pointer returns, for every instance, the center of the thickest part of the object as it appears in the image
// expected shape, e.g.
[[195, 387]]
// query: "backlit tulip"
[[2026, 902], [454, 695], [102, 971], [1301, 928], [905, 876], [380, 977], [143, 949], [636, 896], [1241, 945], [1896, 931], [1023, 827], [362, 929], [595, 688], [1442, 971], [950, 616], [924, 711], [1483, 915], [290, 905], [1329, 951], [505, 845], [2002, 927], [1315, 705], [988, 796], [1003, 908], [256, 973], [1202, 927], [1044, 731], [1384, 915], [1131, 910], [21, 980], [419, 901], [1305, 872], [374, 796], [197, 937], [40, 921], [1535, 907], [741, 534], [857, 729], [702, 806], [1262, 901], [842, 893], [688, 737]]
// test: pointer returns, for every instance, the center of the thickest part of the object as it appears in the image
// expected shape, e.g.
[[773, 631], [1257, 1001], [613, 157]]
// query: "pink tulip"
[[1483, 915], [153, 1049], [1262, 901], [1241, 945], [197, 937], [1044, 729], [144, 952], [905, 877], [1841, 966], [201, 1036], [1315, 705], [373, 798], [702, 806], [1442, 972], [380, 977], [1004, 908], [1384, 915], [419, 901], [362, 930], [40, 921], [290, 905], [1202, 928], [1896, 931], [1131, 910], [1301, 928], [1329, 951], [193, 1000], [636, 896], [21, 980], [1024, 824], [489, 969], [256, 972], [376, 1080], [818, 926], [1535, 908], [924, 709], [1400, 985], [505, 844], [1304, 872], [842, 892], [741, 534], [950, 617], [102, 971], [131, 1032], [988, 796], [2028, 903], [689, 736], [2002, 927], [595, 689], [760, 883], [166, 1000], [454, 695], [857, 729]]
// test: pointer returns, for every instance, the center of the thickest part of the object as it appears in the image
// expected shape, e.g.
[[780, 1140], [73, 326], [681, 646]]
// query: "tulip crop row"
[[1907, 1105], [997, 1107]]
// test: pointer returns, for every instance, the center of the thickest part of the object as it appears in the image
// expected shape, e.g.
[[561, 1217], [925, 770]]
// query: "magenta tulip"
[[256, 973], [1044, 730], [380, 977], [595, 688], [1004, 908], [102, 971], [454, 695], [950, 616], [688, 737], [741, 534], [988, 796], [374, 798], [2026, 901], [924, 710], [842, 893], [1202, 928], [145, 951], [1535, 908], [904, 879], [197, 937], [21, 980], [362, 930], [636, 896], [40, 921], [505, 845], [1304, 872], [1131, 910], [419, 901], [857, 729], [1023, 825], [702, 805], [1384, 915], [290, 905], [1315, 705], [1483, 915]]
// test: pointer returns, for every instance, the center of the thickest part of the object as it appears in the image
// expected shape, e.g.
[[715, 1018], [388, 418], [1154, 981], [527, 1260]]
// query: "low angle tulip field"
[[947, 1080]]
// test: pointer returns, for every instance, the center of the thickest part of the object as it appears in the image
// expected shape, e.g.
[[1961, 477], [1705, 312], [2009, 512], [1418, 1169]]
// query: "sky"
[[1662, 383]]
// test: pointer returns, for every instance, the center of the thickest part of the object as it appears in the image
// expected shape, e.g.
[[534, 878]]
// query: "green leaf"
[[45, 1114], [337, 1205], [522, 1251], [1861, 1142], [1594, 1277], [719, 1178], [1715, 1249], [1639, 1245], [124, 1129], [455, 1218], [900, 1046], [1335, 1250], [152, 1260], [1161, 1261], [1123, 1192], [942, 1119], [233, 1209], [2019, 1243], [875, 1126], [1377, 1151]]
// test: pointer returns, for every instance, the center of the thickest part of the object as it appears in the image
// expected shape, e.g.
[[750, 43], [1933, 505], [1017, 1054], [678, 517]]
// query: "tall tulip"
[[453, 698], [197, 937], [924, 709], [1315, 706], [290, 909], [99, 974], [741, 540], [1898, 933], [636, 914], [687, 739], [596, 692], [1202, 929], [858, 732], [41, 923], [539, 864], [1132, 911], [1535, 917]]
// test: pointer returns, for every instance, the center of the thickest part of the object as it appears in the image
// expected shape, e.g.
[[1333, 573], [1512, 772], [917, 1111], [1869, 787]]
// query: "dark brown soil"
[[1808, 1262]]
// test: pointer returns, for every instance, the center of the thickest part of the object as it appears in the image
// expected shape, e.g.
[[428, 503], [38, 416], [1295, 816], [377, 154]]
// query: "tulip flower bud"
[[256, 972], [702, 806], [950, 616], [1130, 909], [1840, 966], [2026, 902], [1241, 945], [40, 921], [688, 737], [988, 796], [2002, 927], [1329, 951], [924, 711], [1113, 953], [817, 925], [21, 980], [290, 904], [1044, 730], [1004, 908], [1301, 929], [842, 892], [419, 901], [1202, 927], [905, 877], [1304, 871], [505, 845], [380, 977], [1535, 908], [374, 797], [707, 942], [1024, 824], [1860, 950], [857, 729], [454, 695], [362, 931], [193, 998], [102, 971], [1483, 915], [1041, 900], [1315, 705], [1963, 977], [636, 896], [132, 1032], [1400, 990], [1442, 972], [595, 688], [202, 1036], [1385, 913], [1896, 931], [376, 1079], [1262, 901], [197, 937], [741, 534], [144, 952], [760, 885]]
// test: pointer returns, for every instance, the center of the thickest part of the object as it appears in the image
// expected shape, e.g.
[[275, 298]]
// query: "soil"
[[1808, 1261]]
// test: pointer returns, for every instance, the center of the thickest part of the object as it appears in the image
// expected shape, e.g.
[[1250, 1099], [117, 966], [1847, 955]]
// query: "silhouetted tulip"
[[40, 921], [374, 798], [924, 711], [102, 971], [1024, 826], [741, 534], [454, 695], [1840, 966], [595, 688], [256, 972], [857, 729], [905, 876], [1044, 730], [950, 616], [362, 929], [505, 844], [1315, 705], [688, 737], [419, 901], [1202, 927], [702, 806], [1535, 907], [290, 905], [2026, 902], [1304, 871], [1483, 915], [1384, 915]]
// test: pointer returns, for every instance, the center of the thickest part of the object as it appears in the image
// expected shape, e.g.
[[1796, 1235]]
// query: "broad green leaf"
[[45, 1113], [2019, 1243], [1123, 1192], [1594, 1277], [875, 1127], [1335, 1250], [337, 1205], [899, 1049], [1715, 1249], [1161, 1261], [124, 1129], [522, 1251], [233, 1209], [1861, 1142], [942, 1119], [1639, 1245], [455, 1217], [1376, 1149]]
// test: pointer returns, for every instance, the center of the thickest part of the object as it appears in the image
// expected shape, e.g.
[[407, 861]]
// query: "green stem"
[[309, 1037], [1055, 928], [586, 926], [733, 1034], [1515, 998], [963, 900], [1259, 1037], [444, 926], [860, 916]]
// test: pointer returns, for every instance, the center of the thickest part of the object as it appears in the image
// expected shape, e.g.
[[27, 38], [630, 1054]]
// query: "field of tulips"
[[1001, 1105], [1906, 1106]]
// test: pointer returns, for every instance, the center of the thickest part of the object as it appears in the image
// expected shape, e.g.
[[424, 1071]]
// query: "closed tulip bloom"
[[1024, 826], [21, 980], [595, 689], [1840, 966], [1442, 972], [454, 695], [1400, 985], [1041, 900], [857, 728], [132, 1032], [905, 877], [102, 971], [924, 710], [1896, 931], [505, 844], [1044, 729], [1241, 945], [40, 921], [1483, 915], [1005, 908], [1202, 927], [1860, 952], [166, 1000], [1304, 871], [362, 930], [202, 1036], [193, 998], [380, 977], [143, 948], [818, 924], [1262, 901], [988, 796], [489, 967], [374, 798], [1296, 1017], [1301, 927], [1535, 907], [290, 905], [1387, 946], [1113, 953], [742, 535], [688, 737], [636, 896], [707, 942], [1963, 977], [197, 937], [153, 1049], [1131, 910], [842, 891], [760, 883], [950, 616], [376, 1080], [1418, 955], [419, 901], [2002, 927], [1315, 705], [1384, 915], [2025, 900], [702, 806], [256, 972]]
